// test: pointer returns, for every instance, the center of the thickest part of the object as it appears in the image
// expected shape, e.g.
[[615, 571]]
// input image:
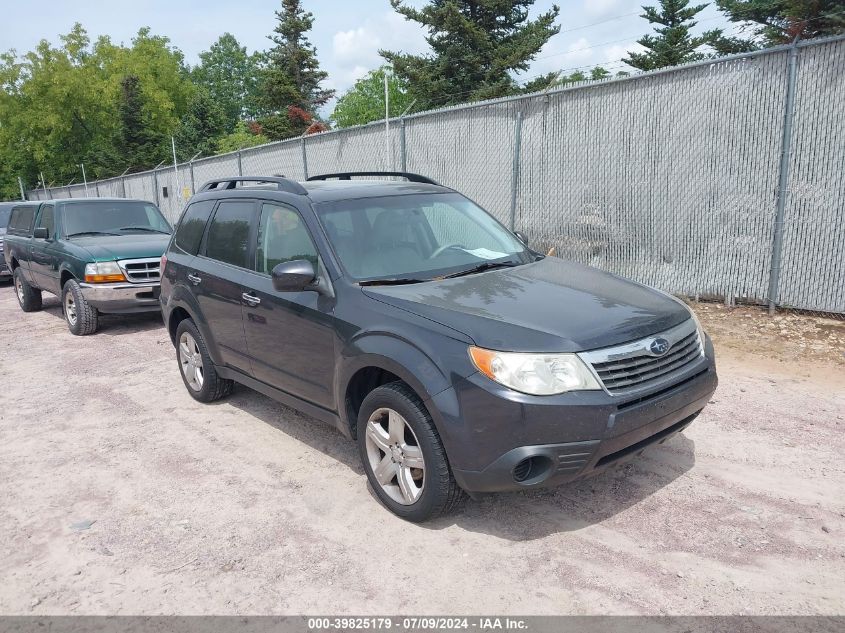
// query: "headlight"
[[102, 272], [536, 374], [698, 328]]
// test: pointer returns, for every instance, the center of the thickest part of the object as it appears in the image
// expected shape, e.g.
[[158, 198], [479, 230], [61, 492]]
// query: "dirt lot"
[[119, 494]]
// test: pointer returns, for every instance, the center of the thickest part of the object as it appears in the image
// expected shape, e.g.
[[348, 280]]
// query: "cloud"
[[602, 8]]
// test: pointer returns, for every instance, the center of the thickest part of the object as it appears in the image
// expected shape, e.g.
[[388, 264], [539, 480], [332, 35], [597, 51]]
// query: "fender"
[[181, 297]]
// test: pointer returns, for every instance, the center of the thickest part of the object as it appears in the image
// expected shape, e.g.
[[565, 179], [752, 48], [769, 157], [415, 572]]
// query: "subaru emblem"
[[659, 346]]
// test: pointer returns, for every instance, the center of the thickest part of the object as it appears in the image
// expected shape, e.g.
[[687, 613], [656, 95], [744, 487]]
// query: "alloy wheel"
[[70, 308], [19, 289], [190, 361], [395, 456]]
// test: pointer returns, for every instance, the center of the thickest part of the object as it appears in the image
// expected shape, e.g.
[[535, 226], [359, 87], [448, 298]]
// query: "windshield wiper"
[[142, 228], [397, 281], [91, 233], [482, 267]]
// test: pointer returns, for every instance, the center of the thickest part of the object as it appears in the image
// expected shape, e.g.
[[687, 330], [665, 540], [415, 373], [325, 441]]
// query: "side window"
[[282, 237], [47, 220], [190, 230], [21, 220], [228, 233]]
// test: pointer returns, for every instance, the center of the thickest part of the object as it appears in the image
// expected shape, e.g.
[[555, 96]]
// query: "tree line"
[[115, 107]]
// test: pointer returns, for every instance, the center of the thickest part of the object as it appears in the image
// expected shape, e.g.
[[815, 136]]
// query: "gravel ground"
[[121, 495]]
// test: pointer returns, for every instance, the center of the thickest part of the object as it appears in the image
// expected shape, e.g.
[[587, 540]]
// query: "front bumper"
[[4, 269], [499, 440], [122, 297]]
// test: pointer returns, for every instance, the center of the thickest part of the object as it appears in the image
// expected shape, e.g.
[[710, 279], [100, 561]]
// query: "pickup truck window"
[[4, 217], [47, 220], [114, 217], [21, 219]]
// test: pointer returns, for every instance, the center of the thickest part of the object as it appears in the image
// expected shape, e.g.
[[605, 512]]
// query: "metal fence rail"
[[723, 178]]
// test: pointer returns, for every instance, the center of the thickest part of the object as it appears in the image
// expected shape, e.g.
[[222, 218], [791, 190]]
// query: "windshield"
[[417, 237], [113, 217], [4, 217]]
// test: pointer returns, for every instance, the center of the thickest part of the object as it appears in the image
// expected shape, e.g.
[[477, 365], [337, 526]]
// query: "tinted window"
[[192, 225], [117, 217], [228, 233], [5, 212], [21, 219], [282, 237], [47, 220]]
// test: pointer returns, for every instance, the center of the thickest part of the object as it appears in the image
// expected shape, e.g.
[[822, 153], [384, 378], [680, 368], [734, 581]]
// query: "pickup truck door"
[[44, 254]]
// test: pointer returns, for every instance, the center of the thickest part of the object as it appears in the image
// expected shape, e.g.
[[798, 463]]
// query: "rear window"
[[228, 233], [5, 213], [21, 219], [191, 227]]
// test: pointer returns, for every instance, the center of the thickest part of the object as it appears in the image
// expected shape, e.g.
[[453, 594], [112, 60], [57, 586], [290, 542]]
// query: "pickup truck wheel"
[[196, 367], [403, 456], [82, 318], [29, 298]]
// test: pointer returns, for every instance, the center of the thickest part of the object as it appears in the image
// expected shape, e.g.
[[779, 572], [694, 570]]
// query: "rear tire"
[[403, 456], [82, 318], [29, 298], [196, 367]]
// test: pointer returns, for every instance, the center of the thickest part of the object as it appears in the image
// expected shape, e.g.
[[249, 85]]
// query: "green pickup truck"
[[97, 254]]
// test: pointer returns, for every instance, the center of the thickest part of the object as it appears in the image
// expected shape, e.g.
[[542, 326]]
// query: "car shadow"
[[110, 324], [515, 516]]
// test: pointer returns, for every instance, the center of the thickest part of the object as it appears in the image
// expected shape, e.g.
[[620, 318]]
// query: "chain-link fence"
[[722, 179]]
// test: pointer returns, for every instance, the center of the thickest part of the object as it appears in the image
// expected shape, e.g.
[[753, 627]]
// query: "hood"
[[548, 306], [131, 246]]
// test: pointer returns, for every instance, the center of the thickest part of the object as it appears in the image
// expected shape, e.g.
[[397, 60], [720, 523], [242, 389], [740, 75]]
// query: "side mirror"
[[521, 237], [293, 276], [41, 233]]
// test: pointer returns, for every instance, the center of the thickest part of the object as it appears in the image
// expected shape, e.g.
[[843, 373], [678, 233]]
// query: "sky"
[[346, 33]]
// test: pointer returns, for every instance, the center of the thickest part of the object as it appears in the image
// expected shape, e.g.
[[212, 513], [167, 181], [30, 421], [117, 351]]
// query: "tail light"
[[162, 264]]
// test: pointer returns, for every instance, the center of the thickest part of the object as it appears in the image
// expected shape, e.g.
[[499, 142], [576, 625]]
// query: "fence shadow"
[[520, 516]]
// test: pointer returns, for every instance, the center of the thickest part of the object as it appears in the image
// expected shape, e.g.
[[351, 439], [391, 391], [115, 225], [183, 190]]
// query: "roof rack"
[[284, 184], [347, 175]]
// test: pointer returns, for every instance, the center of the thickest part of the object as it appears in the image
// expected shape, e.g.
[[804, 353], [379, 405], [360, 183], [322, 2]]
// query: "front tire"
[[403, 456], [82, 318], [29, 298], [196, 367]]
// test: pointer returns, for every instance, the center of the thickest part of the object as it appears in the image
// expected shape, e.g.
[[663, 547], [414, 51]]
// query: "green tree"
[[291, 81], [773, 22], [199, 129], [364, 101], [230, 75], [551, 80], [673, 43], [476, 47], [240, 138]]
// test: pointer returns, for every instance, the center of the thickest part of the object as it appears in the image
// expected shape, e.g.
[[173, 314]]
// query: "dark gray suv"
[[406, 316]]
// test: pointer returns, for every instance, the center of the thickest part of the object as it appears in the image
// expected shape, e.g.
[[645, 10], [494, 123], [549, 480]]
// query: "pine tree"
[[291, 82], [673, 43], [774, 22], [476, 46], [200, 127], [139, 145]]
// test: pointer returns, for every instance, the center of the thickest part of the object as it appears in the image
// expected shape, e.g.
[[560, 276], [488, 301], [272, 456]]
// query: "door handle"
[[194, 279], [250, 299]]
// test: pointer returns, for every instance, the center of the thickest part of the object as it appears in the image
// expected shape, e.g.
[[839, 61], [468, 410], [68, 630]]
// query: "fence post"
[[240, 166], [20, 184], [517, 147], [155, 185], [783, 176], [403, 156], [123, 186], [304, 157], [193, 186]]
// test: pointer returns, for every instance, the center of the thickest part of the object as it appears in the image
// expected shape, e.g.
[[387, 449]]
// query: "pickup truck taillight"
[[162, 265]]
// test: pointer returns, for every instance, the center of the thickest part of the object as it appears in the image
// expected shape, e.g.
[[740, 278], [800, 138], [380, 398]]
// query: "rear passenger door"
[[20, 225], [217, 276], [290, 335]]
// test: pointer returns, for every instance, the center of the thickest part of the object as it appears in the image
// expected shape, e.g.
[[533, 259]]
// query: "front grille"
[[140, 271], [633, 366]]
